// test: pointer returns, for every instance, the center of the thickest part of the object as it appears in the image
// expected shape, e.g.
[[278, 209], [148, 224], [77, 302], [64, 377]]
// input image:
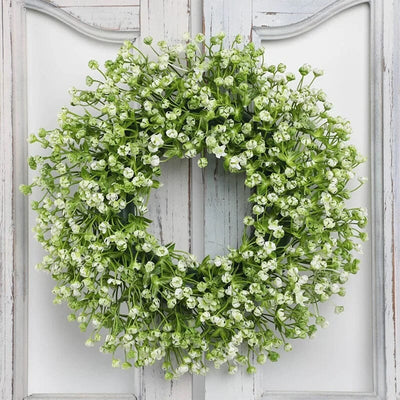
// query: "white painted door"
[[57, 57], [340, 358], [202, 211]]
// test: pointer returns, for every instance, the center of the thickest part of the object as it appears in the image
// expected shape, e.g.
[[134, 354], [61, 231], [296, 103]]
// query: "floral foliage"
[[149, 299]]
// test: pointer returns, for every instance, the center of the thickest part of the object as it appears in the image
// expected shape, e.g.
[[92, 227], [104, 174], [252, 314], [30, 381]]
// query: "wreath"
[[148, 301]]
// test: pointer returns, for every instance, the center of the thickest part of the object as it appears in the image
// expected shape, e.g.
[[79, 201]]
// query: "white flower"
[[226, 277], [281, 314], [237, 315], [176, 282], [257, 209], [234, 163], [133, 312], [251, 145], [171, 133], [219, 151], [149, 266], [104, 226], [335, 288], [319, 288], [265, 116], [156, 140], [202, 162], [329, 223], [128, 173], [263, 275], [269, 247], [317, 262], [278, 282], [162, 251], [155, 161], [146, 247], [219, 321]]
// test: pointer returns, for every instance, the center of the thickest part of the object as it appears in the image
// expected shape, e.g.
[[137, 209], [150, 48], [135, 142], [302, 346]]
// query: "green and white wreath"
[[149, 299]]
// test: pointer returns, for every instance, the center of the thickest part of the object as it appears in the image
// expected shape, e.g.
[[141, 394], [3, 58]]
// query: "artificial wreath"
[[149, 299]]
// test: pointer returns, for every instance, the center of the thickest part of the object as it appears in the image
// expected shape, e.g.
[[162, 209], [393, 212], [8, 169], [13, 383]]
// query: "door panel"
[[335, 355], [340, 358], [57, 359], [57, 57]]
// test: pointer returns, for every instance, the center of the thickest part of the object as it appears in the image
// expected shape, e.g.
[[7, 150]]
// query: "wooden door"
[[329, 364], [202, 210]]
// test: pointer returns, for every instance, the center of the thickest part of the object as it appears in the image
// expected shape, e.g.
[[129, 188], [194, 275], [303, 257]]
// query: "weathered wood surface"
[[225, 199], [6, 206], [225, 206], [285, 12], [81, 396], [94, 3], [284, 19], [170, 206], [121, 15]]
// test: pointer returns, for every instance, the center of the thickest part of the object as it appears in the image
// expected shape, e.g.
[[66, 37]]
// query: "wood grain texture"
[[225, 196], [224, 208], [169, 20], [393, 59], [6, 206], [319, 396], [220, 385], [81, 396], [114, 18], [165, 19], [281, 24], [94, 3], [386, 150], [20, 202], [169, 205], [229, 16], [120, 15], [84, 20]]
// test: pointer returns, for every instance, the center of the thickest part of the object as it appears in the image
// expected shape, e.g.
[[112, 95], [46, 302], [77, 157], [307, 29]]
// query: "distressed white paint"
[[285, 12], [81, 396], [231, 17], [6, 207], [225, 196], [390, 53], [169, 20], [115, 19], [283, 24], [219, 14], [85, 25], [121, 15], [95, 3]]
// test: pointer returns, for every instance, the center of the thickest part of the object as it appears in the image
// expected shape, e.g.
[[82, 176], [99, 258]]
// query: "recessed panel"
[[340, 357], [58, 361]]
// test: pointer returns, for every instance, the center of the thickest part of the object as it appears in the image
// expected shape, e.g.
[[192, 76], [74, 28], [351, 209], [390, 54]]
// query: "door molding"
[[76, 23], [81, 396], [282, 28]]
